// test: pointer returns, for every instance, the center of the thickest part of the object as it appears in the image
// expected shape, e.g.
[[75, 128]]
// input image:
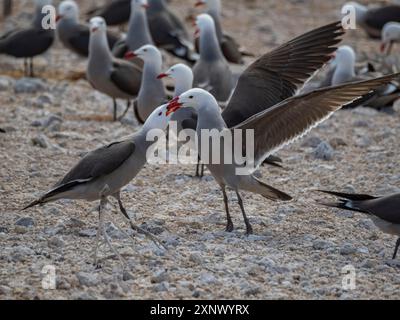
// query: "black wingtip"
[[33, 204]]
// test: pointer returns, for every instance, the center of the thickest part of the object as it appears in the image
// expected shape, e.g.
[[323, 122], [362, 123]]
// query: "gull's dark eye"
[[145, 50], [160, 114], [191, 97]]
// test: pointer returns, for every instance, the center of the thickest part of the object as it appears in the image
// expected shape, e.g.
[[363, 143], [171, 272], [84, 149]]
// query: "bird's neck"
[[215, 13], [209, 116], [182, 85], [150, 83], [99, 48], [209, 45], [361, 12], [138, 31]]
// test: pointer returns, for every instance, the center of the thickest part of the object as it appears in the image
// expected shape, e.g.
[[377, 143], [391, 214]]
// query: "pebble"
[[196, 258], [3, 230], [312, 142], [21, 253], [29, 85], [6, 83], [159, 276], [161, 287], [87, 279], [322, 245], [56, 242], [40, 141], [207, 278], [88, 233], [26, 222], [324, 151], [347, 249]]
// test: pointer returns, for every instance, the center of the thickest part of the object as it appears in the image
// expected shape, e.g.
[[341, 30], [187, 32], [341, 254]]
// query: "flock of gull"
[[273, 97]]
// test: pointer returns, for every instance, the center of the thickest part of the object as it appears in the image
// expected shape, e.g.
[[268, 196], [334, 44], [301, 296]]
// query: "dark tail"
[[348, 201], [34, 204], [273, 161], [269, 192]]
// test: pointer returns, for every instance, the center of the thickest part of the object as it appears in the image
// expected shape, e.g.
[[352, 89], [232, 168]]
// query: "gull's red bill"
[[162, 76], [173, 106], [58, 18], [199, 4], [130, 55]]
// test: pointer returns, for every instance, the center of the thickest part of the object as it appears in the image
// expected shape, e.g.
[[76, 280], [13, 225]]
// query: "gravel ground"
[[299, 249]]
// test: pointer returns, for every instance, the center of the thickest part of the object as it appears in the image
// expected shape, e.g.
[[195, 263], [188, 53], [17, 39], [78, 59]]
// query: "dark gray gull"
[[30, 42], [114, 77]]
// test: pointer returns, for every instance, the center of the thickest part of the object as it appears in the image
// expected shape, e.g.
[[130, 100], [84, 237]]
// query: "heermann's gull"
[[343, 67], [117, 78], [29, 42], [73, 34], [211, 71], [372, 20], [102, 173], [383, 211], [273, 129], [230, 48], [168, 31], [271, 79], [114, 12], [138, 31], [152, 92], [390, 35]]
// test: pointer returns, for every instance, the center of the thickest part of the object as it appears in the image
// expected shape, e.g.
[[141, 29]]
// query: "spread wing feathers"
[[126, 76], [293, 118], [100, 162], [277, 75]]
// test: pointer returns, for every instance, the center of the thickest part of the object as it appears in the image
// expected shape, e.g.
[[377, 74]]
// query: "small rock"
[[87, 279], [312, 142], [159, 276], [21, 253], [26, 222], [44, 99], [56, 242], [361, 124], [368, 264], [196, 258], [127, 276], [337, 142], [207, 278], [88, 233], [4, 290], [161, 287], [347, 249], [324, 151], [322, 245], [3, 230], [6, 83], [29, 85], [40, 141]]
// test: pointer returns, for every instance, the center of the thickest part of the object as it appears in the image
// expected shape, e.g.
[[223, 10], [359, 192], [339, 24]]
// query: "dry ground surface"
[[298, 250]]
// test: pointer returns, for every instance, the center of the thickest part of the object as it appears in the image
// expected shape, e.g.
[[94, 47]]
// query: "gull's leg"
[[97, 246], [26, 67], [136, 228], [115, 106], [103, 203], [397, 249], [249, 229], [199, 169], [128, 106], [229, 226], [31, 73]]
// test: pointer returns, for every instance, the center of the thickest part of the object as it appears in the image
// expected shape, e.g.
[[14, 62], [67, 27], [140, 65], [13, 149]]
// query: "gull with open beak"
[[103, 172], [114, 77], [273, 129]]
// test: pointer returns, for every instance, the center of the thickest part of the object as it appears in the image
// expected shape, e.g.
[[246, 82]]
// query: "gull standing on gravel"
[[152, 92], [114, 77], [103, 172], [29, 42], [383, 211], [372, 20], [73, 34], [211, 72], [230, 48], [273, 129], [138, 31], [169, 32]]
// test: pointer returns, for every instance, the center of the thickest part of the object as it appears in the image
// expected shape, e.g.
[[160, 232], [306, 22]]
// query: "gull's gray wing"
[[126, 76]]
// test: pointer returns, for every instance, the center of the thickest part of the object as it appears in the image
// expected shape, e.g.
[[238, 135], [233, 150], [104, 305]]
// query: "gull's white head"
[[390, 35], [148, 53], [344, 57], [179, 73], [160, 118], [204, 22], [98, 25], [139, 4], [194, 98], [68, 10]]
